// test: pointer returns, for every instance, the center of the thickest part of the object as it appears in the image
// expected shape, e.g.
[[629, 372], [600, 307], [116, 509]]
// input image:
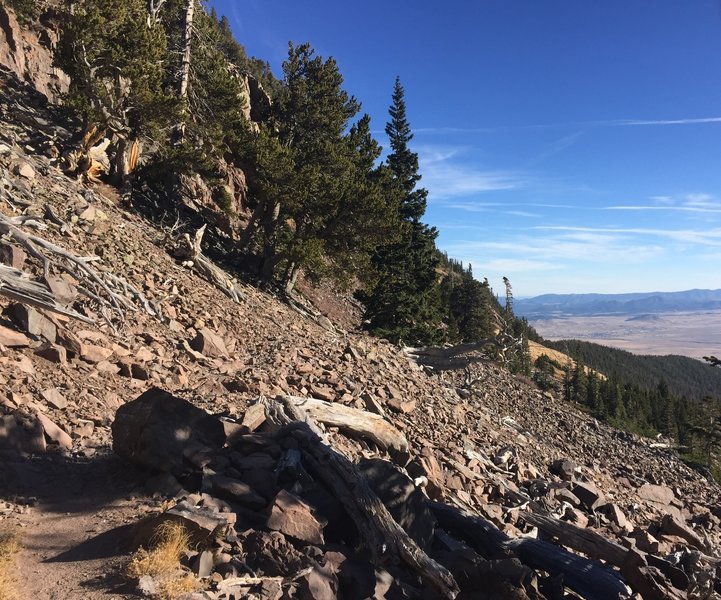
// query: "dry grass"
[[162, 563], [9, 547]]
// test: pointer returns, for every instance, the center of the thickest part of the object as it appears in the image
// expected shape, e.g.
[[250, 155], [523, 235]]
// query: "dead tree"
[[382, 536]]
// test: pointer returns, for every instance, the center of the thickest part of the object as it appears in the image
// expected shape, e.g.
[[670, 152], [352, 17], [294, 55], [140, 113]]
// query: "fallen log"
[[589, 578], [634, 568], [352, 420], [382, 536], [16, 285]]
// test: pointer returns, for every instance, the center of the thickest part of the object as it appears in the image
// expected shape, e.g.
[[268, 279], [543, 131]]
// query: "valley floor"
[[694, 334]]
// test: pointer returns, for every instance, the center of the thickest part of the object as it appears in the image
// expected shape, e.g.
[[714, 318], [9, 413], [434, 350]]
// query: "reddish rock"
[[589, 495], [64, 292], [34, 322], [237, 491], [402, 406], [615, 514], [53, 353], [54, 398], [55, 433], [292, 517], [658, 494], [166, 433], [254, 417], [210, 344], [14, 436], [94, 354], [13, 339], [13, 256]]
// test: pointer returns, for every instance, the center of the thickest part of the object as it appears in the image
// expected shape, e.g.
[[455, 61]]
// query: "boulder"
[[292, 517], [657, 494], [162, 432], [209, 344], [589, 495]]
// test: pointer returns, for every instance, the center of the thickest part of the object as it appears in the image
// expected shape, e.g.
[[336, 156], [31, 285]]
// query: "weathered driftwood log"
[[16, 285], [451, 351], [633, 564], [96, 287], [206, 269], [382, 536], [352, 420], [589, 578], [450, 358]]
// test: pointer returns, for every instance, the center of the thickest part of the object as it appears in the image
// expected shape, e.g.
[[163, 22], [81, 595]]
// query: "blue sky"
[[570, 145]]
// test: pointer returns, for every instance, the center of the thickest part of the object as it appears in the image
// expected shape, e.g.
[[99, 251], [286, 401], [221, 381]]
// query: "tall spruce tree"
[[404, 304]]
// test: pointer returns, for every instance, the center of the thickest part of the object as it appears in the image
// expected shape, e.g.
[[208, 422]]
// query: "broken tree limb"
[[352, 420], [382, 536], [206, 269], [17, 286], [50, 254], [589, 578]]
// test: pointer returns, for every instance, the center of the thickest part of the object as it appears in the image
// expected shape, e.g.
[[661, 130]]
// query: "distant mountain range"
[[559, 305]]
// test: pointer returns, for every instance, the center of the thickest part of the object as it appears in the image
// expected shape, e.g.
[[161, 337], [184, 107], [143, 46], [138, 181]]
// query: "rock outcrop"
[[28, 52]]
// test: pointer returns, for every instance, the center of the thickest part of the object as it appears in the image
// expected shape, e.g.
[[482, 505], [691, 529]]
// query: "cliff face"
[[27, 51]]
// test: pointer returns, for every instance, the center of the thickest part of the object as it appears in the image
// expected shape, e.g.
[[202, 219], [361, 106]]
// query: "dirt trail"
[[73, 516]]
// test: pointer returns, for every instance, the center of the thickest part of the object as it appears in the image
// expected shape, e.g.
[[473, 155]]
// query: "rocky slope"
[[479, 440]]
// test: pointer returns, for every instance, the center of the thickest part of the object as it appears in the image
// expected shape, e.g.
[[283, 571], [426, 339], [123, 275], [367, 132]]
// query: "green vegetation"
[[684, 376], [643, 400], [169, 77], [404, 301]]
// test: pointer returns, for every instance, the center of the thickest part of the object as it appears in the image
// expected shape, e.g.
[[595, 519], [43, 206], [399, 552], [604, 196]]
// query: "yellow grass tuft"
[[162, 562], [9, 547]]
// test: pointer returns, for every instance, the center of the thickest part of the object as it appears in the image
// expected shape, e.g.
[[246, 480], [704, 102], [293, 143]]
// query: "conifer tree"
[[316, 192], [404, 304]]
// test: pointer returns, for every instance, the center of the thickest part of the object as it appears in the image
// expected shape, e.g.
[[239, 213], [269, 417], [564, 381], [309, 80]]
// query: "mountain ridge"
[[555, 305]]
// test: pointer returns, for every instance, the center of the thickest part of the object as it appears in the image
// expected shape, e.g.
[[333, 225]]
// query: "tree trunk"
[[185, 69], [187, 43], [383, 538], [591, 579]]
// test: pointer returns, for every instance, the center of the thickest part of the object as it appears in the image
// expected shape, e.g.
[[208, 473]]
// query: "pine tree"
[[316, 193], [115, 52], [405, 302]]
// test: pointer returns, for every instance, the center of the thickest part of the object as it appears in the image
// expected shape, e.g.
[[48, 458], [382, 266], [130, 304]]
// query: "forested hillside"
[[284, 171], [682, 375]]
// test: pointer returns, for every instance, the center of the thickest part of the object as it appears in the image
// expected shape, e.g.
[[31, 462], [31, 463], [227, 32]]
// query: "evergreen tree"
[[317, 197], [405, 301], [116, 54]]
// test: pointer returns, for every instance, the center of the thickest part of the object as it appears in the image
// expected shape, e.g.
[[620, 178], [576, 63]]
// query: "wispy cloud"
[[690, 203], [706, 237], [558, 146], [511, 265], [582, 124], [446, 174]]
